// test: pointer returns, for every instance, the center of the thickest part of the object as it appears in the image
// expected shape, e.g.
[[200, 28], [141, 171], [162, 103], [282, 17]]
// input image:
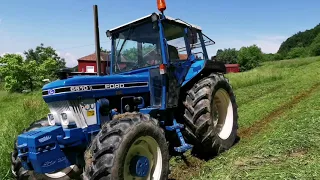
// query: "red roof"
[[232, 65], [92, 57]]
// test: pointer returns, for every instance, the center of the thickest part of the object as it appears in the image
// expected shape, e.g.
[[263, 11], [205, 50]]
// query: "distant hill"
[[300, 39]]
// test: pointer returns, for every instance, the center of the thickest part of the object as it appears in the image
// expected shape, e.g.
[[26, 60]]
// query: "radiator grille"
[[73, 106]]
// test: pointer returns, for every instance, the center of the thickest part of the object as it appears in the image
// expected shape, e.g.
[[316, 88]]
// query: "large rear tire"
[[210, 115], [111, 153], [72, 172]]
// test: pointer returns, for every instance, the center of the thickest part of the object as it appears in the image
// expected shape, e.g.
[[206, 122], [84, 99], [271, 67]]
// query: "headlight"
[[66, 117], [51, 119]]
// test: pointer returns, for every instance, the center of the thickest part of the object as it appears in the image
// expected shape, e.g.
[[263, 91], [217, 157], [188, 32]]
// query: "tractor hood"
[[94, 87]]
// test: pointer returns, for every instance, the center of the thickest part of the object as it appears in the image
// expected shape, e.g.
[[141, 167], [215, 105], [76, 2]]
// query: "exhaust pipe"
[[97, 38]]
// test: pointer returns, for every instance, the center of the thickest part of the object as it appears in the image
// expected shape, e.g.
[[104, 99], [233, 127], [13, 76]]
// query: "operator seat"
[[173, 53]]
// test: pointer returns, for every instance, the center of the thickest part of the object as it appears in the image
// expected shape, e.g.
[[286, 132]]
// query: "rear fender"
[[202, 66]]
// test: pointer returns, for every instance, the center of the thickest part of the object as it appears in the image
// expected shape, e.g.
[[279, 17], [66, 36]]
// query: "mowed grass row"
[[260, 92], [257, 100], [289, 148]]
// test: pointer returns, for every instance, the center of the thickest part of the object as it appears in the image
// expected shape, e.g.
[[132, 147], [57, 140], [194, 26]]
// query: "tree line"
[[300, 45]]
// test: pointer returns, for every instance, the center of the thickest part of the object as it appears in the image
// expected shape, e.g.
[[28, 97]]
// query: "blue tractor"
[[162, 98]]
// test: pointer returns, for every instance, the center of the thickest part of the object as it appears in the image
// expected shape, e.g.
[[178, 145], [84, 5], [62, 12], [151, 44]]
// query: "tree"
[[300, 39], [132, 53], [41, 53], [14, 73], [268, 57], [103, 50], [228, 56], [27, 74], [297, 52], [315, 46], [249, 57], [278, 57]]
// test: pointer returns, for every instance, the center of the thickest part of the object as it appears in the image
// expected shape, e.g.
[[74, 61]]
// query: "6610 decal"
[[80, 88]]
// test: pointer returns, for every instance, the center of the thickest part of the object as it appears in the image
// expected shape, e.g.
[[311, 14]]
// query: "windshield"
[[136, 47]]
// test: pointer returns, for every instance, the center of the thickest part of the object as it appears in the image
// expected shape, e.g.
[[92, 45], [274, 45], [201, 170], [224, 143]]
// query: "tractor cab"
[[162, 48], [137, 46]]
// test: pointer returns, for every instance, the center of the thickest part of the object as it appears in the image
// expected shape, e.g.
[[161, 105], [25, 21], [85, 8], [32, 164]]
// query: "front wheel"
[[130, 147]]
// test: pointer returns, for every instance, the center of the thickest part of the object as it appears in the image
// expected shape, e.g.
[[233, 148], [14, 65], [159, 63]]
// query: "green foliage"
[[278, 56], [272, 57], [103, 50], [20, 74], [228, 56], [131, 54], [268, 57], [41, 53], [297, 52], [300, 39], [249, 57], [315, 46]]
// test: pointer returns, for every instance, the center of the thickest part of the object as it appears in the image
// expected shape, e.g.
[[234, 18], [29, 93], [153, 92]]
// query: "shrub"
[[249, 57], [297, 52], [228, 56]]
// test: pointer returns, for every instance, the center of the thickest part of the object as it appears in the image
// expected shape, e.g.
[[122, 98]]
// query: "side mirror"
[[192, 35]]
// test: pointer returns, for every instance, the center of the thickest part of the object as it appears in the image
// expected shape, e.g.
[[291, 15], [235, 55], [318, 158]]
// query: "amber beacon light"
[[161, 5]]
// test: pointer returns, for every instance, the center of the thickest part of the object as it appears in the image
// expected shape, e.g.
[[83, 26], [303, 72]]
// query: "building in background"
[[88, 64]]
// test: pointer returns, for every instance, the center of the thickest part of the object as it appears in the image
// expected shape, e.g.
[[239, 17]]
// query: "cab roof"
[[149, 16]]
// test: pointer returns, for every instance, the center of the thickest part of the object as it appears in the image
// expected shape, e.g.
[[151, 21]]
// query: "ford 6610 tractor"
[[163, 97]]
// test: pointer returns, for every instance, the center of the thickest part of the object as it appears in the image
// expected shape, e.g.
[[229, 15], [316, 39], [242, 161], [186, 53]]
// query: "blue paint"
[[147, 110], [113, 113], [96, 80], [184, 146], [194, 70], [40, 148], [165, 61], [113, 49], [187, 44], [94, 94], [139, 166], [43, 147], [104, 104], [204, 49]]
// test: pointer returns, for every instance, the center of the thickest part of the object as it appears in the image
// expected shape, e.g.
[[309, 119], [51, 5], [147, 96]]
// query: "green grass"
[[17, 111], [286, 148]]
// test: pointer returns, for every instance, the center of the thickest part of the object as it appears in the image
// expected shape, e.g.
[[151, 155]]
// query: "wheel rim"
[[223, 114], [60, 174], [147, 147]]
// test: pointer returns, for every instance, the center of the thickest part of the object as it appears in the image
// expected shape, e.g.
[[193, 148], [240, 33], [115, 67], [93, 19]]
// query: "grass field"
[[279, 119]]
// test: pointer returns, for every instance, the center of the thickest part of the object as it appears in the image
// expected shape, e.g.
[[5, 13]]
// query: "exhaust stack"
[[97, 38]]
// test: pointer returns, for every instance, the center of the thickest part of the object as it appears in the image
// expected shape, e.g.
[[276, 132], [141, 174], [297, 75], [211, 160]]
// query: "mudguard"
[[203, 66]]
